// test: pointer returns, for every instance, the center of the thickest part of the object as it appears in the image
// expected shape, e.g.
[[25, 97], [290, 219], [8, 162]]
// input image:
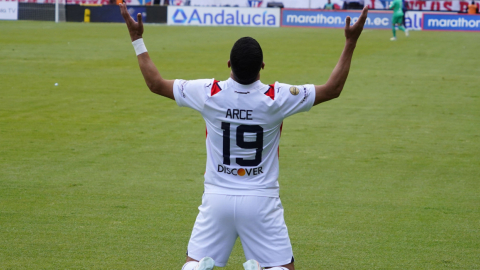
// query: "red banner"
[[424, 5]]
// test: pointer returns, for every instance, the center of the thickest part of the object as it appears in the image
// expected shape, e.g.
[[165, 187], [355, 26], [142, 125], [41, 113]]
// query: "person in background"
[[329, 5], [472, 8], [397, 18], [404, 9]]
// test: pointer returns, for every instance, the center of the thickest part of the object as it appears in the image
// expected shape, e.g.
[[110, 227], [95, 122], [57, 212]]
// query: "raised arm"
[[154, 80], [334, 85]]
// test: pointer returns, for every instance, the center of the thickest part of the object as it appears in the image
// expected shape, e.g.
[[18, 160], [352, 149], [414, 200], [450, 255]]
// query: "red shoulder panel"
[[271, 91], [215, 88]]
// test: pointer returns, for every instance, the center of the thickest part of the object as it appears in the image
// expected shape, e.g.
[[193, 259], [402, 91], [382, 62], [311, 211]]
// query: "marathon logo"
[[451, 22], [239, 171], [336, 19], [305, 95], [182, 87]]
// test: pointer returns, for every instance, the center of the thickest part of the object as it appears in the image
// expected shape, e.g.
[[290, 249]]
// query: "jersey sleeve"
[[294, 99], [192, 94]]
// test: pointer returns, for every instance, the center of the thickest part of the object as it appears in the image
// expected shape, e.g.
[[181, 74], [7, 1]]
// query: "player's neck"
[[233, 77]]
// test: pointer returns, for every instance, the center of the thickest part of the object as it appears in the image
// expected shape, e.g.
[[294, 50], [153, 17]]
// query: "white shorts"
[[258, 221]]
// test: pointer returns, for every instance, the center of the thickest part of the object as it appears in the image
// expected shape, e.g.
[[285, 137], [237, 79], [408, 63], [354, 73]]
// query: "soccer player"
[[244, 119], [329, 6], [397, 18]]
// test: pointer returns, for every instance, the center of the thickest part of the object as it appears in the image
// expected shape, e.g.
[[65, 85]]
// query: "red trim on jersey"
[[215, 88], [271, 91]]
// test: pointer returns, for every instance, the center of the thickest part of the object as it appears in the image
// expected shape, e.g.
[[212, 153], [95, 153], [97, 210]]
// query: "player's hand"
[[134, 28], [352, 32]]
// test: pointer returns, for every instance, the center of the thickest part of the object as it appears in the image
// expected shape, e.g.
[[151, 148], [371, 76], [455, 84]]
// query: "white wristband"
[[139, 46]]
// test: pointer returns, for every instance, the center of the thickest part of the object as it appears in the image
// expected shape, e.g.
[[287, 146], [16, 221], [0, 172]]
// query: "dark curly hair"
[[246, 60]]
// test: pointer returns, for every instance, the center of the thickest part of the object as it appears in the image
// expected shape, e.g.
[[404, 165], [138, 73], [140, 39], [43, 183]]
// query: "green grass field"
[[99, 173]]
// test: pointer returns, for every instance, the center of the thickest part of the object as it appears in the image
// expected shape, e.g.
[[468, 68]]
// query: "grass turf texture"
[[98, 173]]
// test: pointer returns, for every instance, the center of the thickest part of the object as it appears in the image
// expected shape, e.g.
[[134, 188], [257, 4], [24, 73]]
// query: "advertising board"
[[413, 20], [223, 16], [111, 13], [9, 10], [451, 22], [333, 19]]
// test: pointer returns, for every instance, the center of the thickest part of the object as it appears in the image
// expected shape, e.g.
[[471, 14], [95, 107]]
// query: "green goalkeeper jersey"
[[397, 7]]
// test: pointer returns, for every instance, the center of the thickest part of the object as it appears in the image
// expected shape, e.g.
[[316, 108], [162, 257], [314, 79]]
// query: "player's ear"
[[263, 65], [229, 64]]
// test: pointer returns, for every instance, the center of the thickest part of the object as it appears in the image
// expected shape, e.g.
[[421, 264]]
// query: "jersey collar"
[[242, 87]]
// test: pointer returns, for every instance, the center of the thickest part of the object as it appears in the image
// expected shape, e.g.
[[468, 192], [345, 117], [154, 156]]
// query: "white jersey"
[[244, 123]]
